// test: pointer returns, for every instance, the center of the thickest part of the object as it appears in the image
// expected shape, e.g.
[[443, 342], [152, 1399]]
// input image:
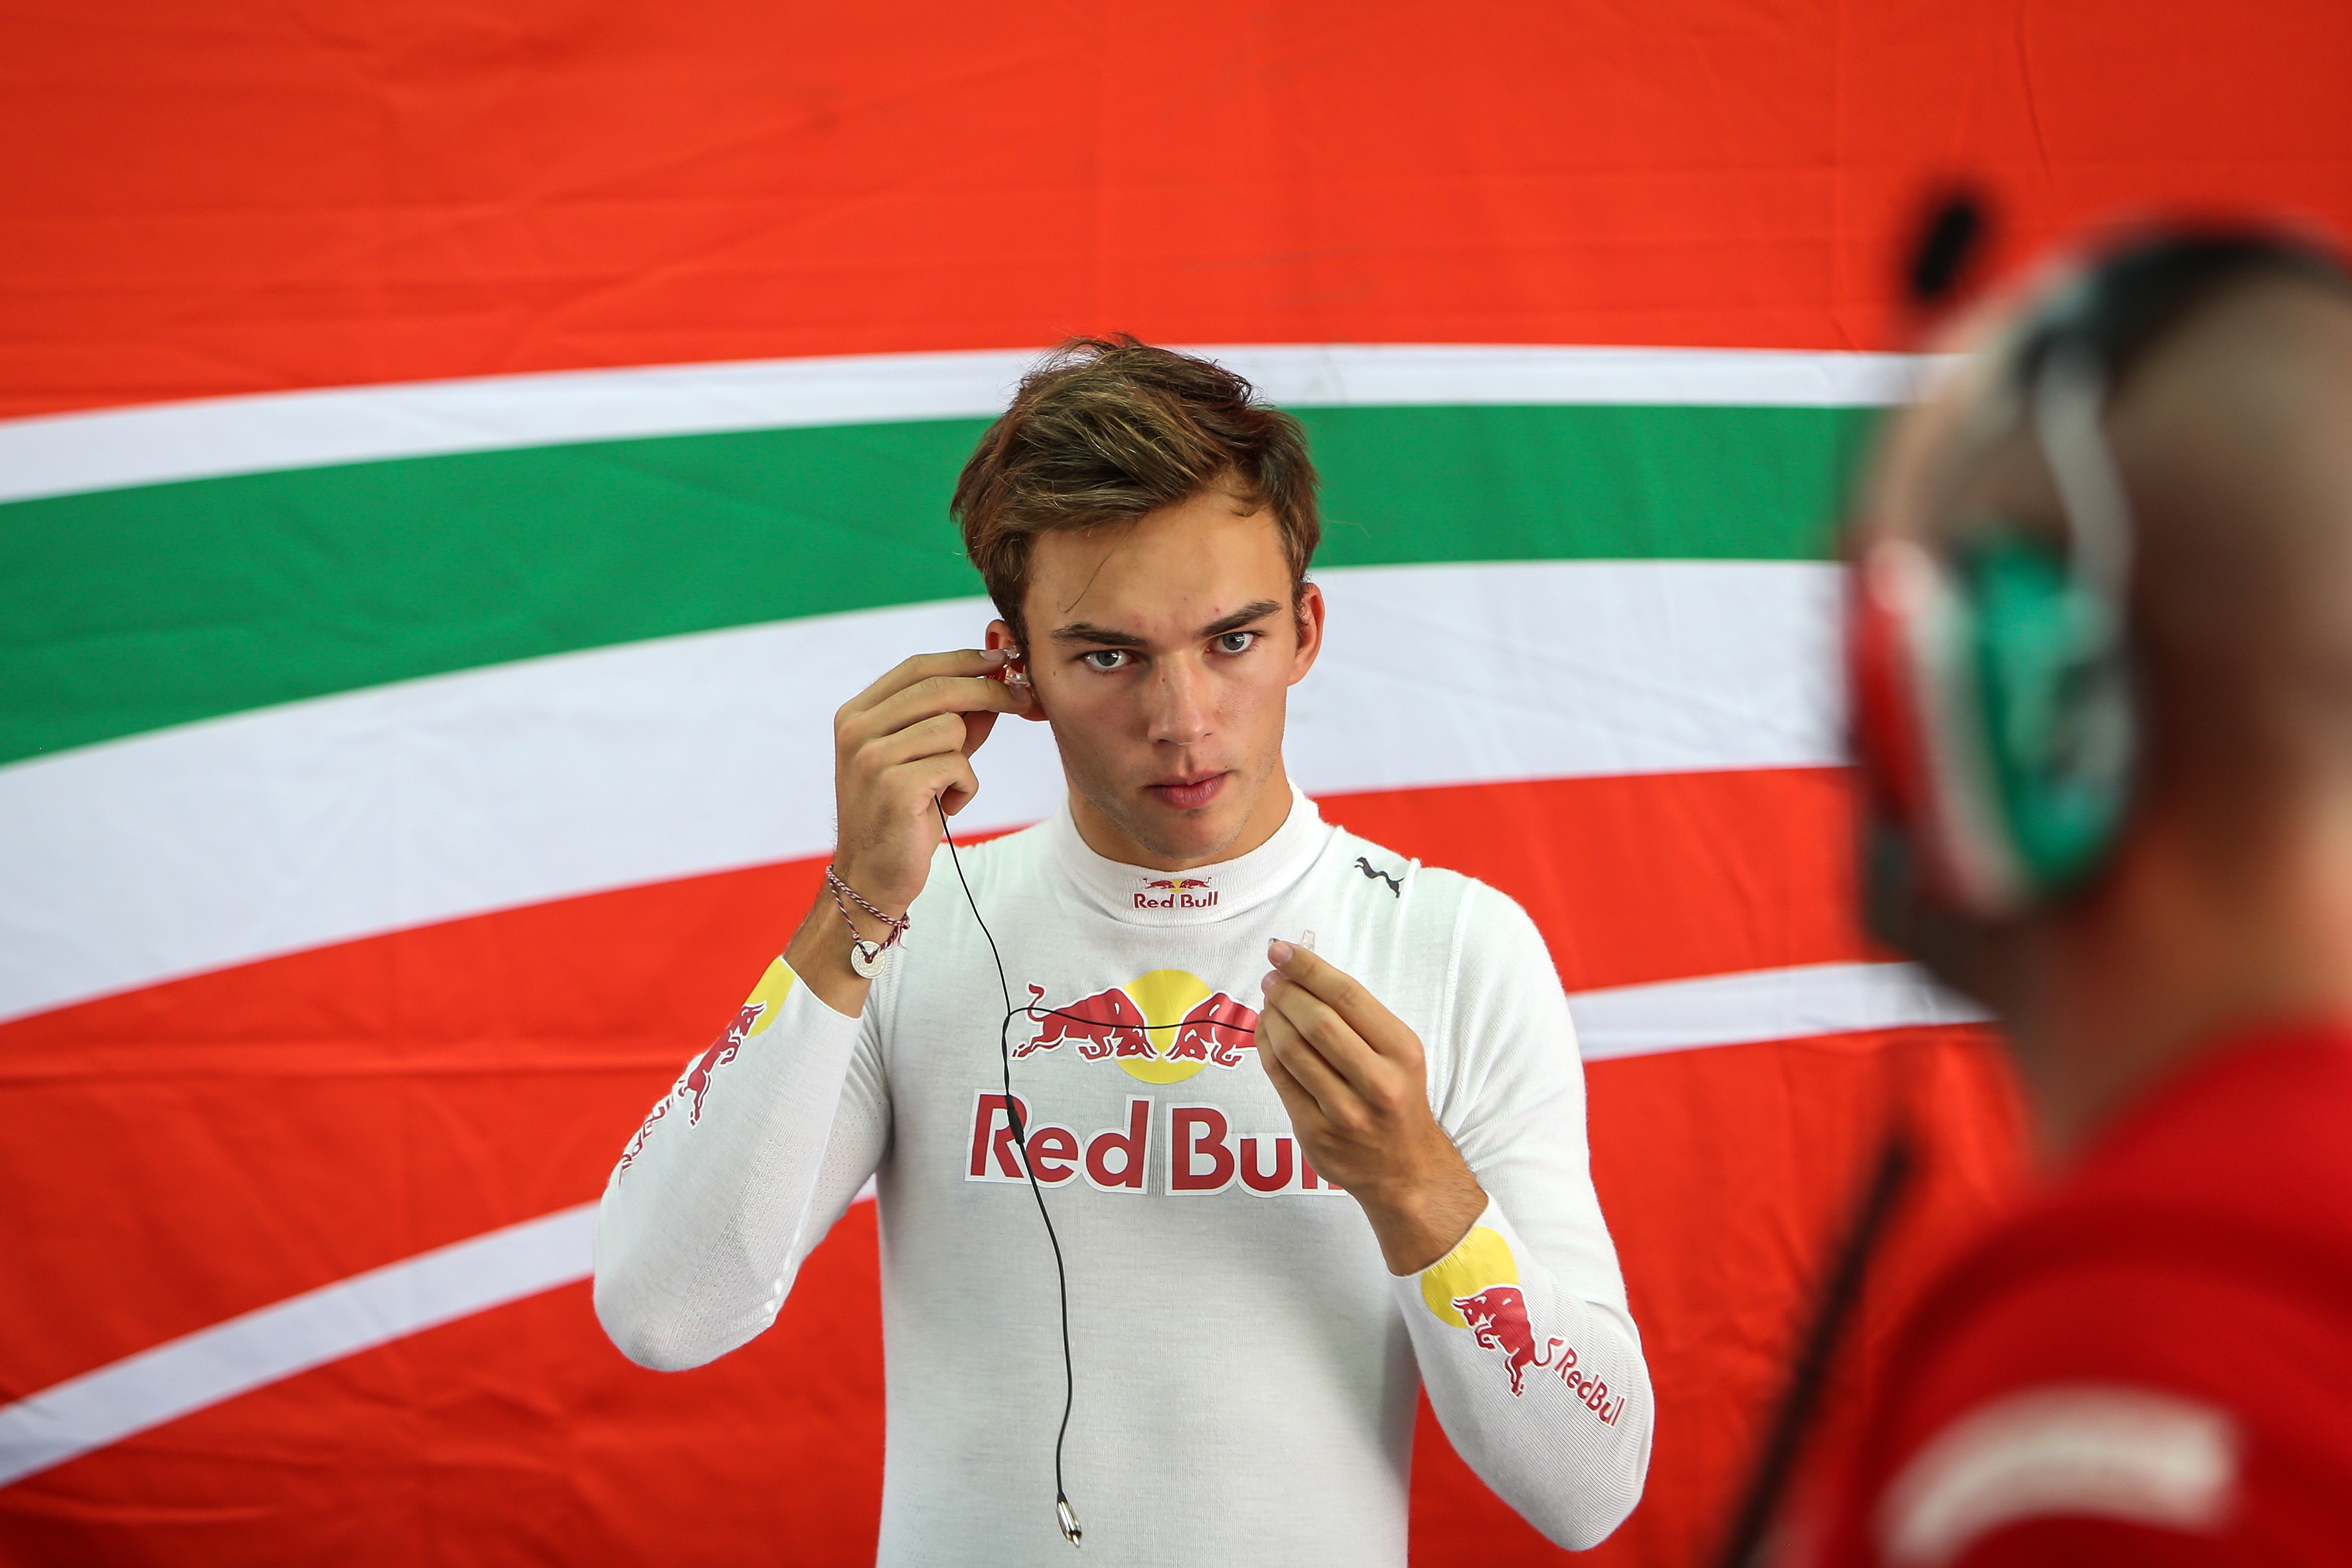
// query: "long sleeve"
[[738, 1172], [1529, 1355]]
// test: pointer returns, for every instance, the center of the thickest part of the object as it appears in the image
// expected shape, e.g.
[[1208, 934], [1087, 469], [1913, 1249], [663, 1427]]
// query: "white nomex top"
[[1246, 1364]]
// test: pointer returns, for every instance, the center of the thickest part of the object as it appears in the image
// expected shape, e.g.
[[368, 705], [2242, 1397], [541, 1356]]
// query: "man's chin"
[[1191, 823]]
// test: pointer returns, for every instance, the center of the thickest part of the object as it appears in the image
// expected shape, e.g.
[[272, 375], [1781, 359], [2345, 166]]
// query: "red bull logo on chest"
[[1160, 1027], [1177, 893]]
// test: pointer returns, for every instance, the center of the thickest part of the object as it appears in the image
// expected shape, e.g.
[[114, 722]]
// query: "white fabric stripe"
[[311, 1330], [2103, 1451], [223, 842], [1760, 1005], [205, 439], [263, 1347]]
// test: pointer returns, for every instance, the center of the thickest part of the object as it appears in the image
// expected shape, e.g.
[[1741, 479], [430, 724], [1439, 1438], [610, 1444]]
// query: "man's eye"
[[1104, 658], [1238, 642]]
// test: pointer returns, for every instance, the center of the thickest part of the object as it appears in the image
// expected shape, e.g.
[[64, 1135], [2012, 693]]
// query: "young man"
[[2131, 513], [1284, 1199]]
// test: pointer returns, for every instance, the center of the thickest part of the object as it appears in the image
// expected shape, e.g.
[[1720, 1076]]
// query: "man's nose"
[[1180, 702]]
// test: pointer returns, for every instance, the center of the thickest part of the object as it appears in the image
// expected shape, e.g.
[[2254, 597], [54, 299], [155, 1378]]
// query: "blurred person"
[[1264, 1262], [2102, 658]]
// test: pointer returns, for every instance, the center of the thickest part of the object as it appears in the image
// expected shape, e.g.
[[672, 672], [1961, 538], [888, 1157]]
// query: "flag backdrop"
[[455, 454]]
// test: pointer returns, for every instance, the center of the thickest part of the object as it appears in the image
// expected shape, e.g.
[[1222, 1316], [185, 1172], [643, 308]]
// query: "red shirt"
[[2152, 1362]]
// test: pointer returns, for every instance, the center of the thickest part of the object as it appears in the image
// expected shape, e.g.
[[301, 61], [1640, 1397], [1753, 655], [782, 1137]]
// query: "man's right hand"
[[900, 744]]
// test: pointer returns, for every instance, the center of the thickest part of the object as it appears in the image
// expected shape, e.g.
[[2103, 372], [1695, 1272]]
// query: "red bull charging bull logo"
[[756, 1014], [1161, 1027], [1475, 1286]]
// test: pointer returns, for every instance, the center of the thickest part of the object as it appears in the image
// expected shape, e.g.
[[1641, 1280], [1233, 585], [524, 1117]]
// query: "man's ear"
[[1308, 622], [1016, 672]]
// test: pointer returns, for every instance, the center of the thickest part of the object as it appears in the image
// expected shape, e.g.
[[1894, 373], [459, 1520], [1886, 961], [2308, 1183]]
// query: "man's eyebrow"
[[1104, 637], [1239, 618], [1086, 631]]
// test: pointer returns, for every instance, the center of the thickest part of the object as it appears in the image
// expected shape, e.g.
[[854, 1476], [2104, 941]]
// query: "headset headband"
[[2122, 302]]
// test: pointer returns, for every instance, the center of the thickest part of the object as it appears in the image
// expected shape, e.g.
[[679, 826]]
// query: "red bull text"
[[1498, 1316], [1198, 1152], [1177, 893]]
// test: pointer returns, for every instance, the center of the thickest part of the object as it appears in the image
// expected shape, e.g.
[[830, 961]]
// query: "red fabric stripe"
[[331, 191], [517, 1436]]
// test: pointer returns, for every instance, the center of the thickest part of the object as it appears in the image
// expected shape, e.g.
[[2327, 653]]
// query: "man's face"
[[1163, 651]]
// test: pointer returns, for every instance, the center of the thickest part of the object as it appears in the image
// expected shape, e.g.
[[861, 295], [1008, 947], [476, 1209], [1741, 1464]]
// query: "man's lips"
[[1191, 794]]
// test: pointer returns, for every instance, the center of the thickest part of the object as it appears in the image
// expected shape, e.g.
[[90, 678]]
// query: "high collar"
[[1137, 895]]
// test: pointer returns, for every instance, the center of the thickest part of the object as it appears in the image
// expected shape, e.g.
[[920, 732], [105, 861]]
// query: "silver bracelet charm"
[[864, 957]]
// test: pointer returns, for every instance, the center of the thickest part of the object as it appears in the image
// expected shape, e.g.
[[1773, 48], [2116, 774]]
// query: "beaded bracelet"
[[864, 957]]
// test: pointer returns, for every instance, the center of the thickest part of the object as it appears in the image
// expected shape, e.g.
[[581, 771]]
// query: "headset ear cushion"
[[2054, 688], [1920, 726], [1884, 708]]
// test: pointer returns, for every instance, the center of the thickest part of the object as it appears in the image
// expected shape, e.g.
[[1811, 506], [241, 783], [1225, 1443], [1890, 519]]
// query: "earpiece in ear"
[[1017, 669]]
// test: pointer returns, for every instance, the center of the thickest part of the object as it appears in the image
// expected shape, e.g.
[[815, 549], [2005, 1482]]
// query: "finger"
[[1339, 1103], [946, 778], [933, 737], [966, 661], [954, 783], [976, 727], [927, 698], [1306, 1115], [1330, 1036], [1382, 1030], [939, 733]]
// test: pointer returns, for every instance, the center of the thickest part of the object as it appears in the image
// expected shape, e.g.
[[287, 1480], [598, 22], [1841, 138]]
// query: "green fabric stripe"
[[129, 610]]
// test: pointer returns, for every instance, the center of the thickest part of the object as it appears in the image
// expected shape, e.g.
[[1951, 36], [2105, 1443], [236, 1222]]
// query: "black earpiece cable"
[[1034, 1011], [1064, 1515]]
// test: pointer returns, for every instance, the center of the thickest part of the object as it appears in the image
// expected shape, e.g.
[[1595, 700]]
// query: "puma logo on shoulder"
[[1396, 884]]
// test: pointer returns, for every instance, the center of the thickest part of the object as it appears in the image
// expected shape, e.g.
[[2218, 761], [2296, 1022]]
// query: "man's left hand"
[[1352, 1076]]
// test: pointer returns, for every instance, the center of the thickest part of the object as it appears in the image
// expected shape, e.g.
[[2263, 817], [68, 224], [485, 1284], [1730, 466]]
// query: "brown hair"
[[1106, 430]]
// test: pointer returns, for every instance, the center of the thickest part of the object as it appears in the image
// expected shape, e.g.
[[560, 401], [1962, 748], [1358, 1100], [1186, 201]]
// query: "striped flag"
[[453, 462]]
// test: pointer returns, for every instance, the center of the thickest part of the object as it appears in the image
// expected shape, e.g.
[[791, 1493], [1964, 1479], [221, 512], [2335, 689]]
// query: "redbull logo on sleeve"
[[758, 1011], [1497, 1315], [1194, 1150], [724, 1050], [1160, 1027], [1476, 1287], [1177, 893]]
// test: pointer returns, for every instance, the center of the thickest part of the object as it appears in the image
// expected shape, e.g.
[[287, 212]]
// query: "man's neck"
[[1106, 837], [2174, 967]]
